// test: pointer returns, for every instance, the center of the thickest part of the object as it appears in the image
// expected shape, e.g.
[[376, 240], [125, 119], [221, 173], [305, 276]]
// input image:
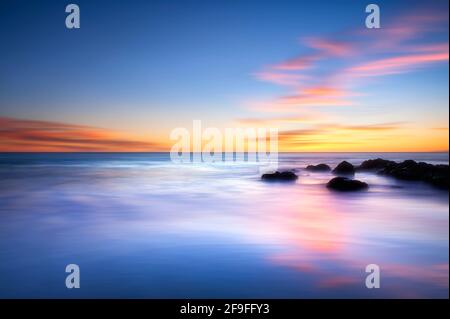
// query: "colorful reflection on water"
[[140, 226]]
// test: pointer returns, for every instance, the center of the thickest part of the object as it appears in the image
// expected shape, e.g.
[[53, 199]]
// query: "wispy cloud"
[[284, 79], [304, 118], [296, 64], [34, 135], [398, 64], [338, 128], [330, 48], [333, 136], [398, 47], [335, 72], [322, 49]]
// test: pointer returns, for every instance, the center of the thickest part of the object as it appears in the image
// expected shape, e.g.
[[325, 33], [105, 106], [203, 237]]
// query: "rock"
[[318, 168], [344, 168], [375, 164], [344, 184], [436, 175], [280, 176], [441, 182]]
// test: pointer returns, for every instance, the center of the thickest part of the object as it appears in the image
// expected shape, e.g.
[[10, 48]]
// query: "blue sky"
[[148, 66]]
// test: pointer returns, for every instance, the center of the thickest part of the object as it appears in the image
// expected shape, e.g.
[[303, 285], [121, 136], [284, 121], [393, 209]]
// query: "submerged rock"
[[318, 168], [344, 168], [375, 164], [345, 184], [280, 176]]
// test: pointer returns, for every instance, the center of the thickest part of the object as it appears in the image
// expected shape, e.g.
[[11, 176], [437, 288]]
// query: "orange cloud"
[[19, 135], [317, 96], [382, 137], [303, 118], [323, 91]]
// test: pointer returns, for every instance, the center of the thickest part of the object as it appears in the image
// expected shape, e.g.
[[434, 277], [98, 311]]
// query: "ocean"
[[140, 226]]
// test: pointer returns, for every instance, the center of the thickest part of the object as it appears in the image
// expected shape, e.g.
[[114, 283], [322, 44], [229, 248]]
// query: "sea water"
[[140, 226]]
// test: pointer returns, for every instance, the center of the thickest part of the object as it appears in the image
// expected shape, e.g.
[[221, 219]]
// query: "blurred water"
[[141, 226]]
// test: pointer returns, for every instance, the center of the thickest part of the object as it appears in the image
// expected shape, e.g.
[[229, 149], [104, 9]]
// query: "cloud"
[[323, 48], [412, 26], [317, 96], [284, 79], [330, 127], [328, 48], [398, 64], [332, 73], [333, 134], [297, 63], [306, 117], [367, 127], [35, 135]]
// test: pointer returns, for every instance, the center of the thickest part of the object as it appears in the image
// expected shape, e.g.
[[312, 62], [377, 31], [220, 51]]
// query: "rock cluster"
[[436, 175]]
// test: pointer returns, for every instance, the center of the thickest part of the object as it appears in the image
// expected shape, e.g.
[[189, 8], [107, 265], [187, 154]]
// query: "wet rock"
[[436, 175], [440, 180], [375, 164], [345, 184], [318, 168], [344, 168], [280, 176]]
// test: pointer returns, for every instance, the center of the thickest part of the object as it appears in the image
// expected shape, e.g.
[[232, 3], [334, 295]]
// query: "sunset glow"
[[346, 88]]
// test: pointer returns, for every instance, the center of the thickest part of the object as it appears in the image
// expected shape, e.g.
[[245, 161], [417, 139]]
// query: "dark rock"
[[318, 168], [280, 176], [439, 176], [344, 168], [344, 184], [375, 164], [436, 175]]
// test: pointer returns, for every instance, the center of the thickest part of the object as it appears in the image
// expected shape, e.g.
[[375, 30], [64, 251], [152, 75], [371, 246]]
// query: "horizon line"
[[124, 152]]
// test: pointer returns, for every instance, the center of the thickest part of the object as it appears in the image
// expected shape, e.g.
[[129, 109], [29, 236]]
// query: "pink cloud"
[[414, 25], [324, 48], [397, 64], [284, 79], [314, 80], [330, 47], [296, 64]]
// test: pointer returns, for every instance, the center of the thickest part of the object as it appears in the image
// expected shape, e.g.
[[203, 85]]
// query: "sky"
[[136, 70]]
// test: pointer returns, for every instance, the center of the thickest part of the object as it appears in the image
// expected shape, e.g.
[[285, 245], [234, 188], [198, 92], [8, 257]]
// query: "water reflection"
[[139, 226]]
